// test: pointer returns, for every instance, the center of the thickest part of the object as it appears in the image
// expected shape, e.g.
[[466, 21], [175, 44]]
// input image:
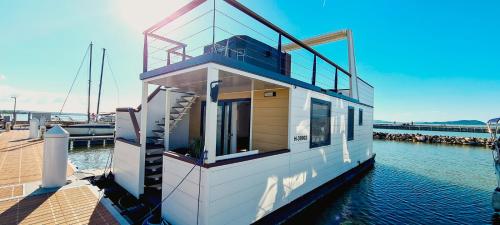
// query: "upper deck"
[[227, 33]]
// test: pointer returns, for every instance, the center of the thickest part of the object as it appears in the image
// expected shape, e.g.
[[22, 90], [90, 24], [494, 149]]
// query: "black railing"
[[177, 49]]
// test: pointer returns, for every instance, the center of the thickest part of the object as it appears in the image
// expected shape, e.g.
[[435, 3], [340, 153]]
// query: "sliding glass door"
[[233, 126]]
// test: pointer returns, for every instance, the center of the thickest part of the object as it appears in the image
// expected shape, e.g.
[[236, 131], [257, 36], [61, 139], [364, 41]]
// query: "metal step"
[[175, 116], [184, 103], [159, 132], [178, 109], [188, 97], [153, 159], [156, 140], [154, 168], [155, 176], [154, 151], [155, 186]]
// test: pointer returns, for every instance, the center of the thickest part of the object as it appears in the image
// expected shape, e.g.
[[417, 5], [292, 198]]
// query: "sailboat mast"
[[100, 82], [90, 81]]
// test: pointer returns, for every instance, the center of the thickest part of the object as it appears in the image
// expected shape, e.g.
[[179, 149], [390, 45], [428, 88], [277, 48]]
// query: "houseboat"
[[233, 129]]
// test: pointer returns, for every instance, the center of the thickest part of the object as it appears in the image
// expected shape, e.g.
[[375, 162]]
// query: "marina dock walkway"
[[23, 202]]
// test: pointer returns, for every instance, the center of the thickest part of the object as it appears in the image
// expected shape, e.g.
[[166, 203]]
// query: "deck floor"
[[21, 163], [20, 158]]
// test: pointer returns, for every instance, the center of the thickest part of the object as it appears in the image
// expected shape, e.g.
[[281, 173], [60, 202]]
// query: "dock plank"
[[21, 161], [21, 158], [56, 208]]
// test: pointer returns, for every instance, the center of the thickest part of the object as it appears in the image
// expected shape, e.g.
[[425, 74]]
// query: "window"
[[320, 123], [360, 117], [350, 123]]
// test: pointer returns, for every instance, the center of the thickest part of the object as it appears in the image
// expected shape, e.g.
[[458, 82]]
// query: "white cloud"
[[28, 99], [50, 101], [2, 77]]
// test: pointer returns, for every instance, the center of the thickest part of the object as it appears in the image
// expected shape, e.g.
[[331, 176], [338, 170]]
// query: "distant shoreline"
[[434, 127], [434, 139]]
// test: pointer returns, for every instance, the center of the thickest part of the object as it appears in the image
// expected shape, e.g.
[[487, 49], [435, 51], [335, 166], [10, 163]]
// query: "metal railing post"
[[145, 54], [279, 55], [336, 80], [213, 30], [314, 71], [183, 53], [168, 58]]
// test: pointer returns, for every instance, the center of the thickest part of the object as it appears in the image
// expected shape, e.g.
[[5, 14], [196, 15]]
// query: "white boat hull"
[[90, 130]]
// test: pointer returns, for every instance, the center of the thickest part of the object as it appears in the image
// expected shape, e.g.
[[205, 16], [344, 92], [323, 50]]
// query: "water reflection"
[[413, 184], [90, 158]]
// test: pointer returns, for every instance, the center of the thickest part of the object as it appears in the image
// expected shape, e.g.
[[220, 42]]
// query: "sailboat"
[[96, 125]]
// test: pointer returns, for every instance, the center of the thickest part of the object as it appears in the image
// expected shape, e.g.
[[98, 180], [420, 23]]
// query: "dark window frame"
[[360, 117], [329, 138], [350, 123]]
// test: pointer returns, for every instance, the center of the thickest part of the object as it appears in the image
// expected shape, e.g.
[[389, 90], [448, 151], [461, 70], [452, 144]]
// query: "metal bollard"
[[34, 126], [41, 134], [55, 157]]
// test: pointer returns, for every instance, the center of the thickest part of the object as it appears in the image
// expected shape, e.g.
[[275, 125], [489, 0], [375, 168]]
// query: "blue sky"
[[428, 60]]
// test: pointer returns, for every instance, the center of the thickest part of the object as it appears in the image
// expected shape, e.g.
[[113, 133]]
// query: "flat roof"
[[236, 64]]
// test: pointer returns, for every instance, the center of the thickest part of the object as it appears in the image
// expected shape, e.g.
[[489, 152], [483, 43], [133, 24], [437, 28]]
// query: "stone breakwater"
[[434, 139]]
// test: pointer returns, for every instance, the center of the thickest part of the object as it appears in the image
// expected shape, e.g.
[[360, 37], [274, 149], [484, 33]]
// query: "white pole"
[[143, 134], [211, 118], [353, 83], [252, 94], [34, 126], [55, 157], [166, 134]]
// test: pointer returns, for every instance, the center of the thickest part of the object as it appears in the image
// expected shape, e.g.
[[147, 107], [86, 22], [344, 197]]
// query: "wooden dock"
[[448, 128], [22, 201]]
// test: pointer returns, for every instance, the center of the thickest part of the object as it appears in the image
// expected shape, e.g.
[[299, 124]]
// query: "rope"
[[114, 80], [110, 156], [199, 191], [74, 80]]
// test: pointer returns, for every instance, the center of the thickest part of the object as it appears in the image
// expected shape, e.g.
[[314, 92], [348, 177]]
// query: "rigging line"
[[74, 80], [250, 28], [185, 24], [180, 40], [114, 80]]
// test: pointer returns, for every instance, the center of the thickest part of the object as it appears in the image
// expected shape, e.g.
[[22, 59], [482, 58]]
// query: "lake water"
[[90, 158], [442, 133], [414, 184]]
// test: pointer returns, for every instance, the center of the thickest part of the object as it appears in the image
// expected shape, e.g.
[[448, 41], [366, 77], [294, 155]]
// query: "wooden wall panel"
[[270, 121], [195, 120]]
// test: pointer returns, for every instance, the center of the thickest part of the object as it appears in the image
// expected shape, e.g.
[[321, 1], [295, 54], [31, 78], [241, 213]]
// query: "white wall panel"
[[240, 193], [126, 167]]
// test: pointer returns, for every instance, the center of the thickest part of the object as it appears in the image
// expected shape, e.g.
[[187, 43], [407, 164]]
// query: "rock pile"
[[484, 142]]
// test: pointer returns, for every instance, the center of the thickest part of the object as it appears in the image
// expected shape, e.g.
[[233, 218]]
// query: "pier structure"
[[23, 201], [89, 141], [429, 127]]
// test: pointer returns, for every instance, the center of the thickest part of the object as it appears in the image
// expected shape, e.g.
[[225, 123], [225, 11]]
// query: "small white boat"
[[90, 129]]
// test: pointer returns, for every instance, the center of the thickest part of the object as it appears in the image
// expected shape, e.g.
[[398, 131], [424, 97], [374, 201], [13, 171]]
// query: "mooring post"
[[55, 157], [34, 124]]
